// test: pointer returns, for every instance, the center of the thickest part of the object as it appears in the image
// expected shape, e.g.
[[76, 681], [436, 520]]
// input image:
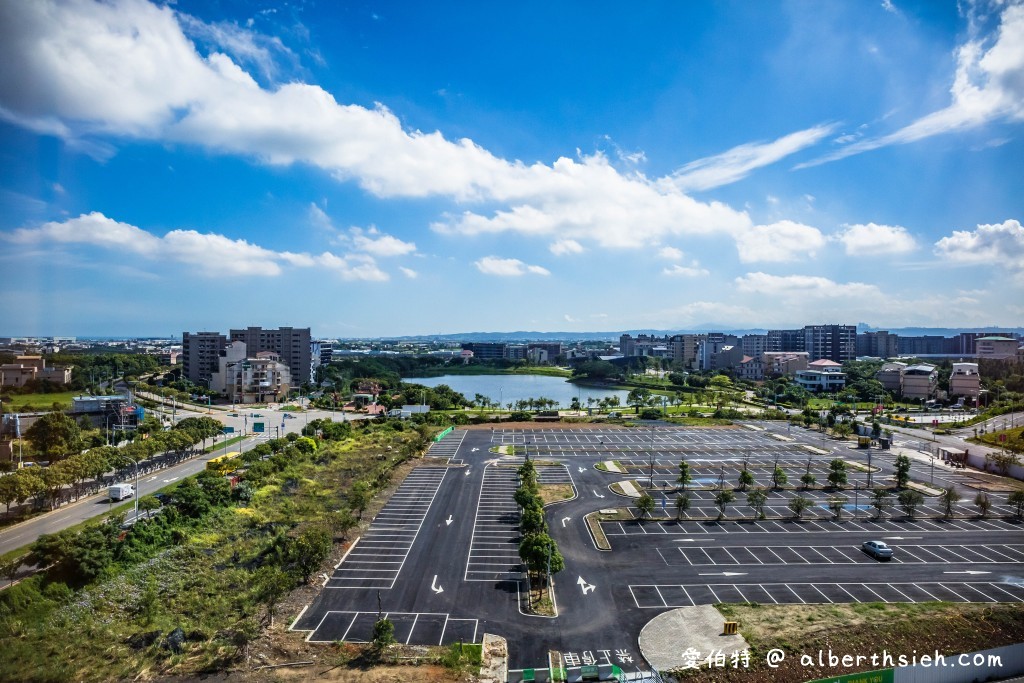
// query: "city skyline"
[[376, 172]]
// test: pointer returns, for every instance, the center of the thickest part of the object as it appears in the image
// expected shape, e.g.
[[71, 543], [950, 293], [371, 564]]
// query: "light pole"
[[652, 456]]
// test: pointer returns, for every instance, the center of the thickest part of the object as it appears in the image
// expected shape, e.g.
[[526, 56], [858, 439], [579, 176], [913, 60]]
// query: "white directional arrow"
[[474, 450], [724, 574], [687, 540], [467, 473], [449, 520], [598, 494], [435, 588], [564, 520], [583, 469], [901, 538], [968, 571], [587, 588]]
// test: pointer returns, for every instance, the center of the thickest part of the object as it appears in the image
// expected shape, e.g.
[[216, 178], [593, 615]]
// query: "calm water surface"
[[511, 388]]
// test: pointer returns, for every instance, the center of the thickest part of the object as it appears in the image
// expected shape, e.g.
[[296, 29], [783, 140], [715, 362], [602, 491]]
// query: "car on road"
[[877, 550]]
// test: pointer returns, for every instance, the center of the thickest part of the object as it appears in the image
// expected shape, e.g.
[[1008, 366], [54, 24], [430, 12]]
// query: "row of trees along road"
[[48, 484], [537, 550]]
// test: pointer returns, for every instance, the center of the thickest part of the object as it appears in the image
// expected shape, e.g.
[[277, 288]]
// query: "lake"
[[511, 388]]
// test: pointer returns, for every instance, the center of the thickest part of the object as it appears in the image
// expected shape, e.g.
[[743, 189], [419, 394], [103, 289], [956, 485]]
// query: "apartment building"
[[878, 344], [293, 345], [965, 380], [200, 352], [920, 381]]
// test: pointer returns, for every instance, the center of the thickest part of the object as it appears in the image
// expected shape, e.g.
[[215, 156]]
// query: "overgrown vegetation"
[[190, 589]]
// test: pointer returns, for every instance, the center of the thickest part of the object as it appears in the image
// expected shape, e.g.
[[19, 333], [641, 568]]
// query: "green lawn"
[[38, 402]]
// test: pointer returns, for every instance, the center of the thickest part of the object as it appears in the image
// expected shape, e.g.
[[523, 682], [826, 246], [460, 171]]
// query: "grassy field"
[[200, 576], [38, 402]]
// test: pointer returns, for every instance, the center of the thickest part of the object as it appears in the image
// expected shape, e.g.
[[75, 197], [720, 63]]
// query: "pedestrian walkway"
[[686, 636]]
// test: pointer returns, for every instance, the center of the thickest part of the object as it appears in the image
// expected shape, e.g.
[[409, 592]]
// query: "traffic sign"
[[257, 426]]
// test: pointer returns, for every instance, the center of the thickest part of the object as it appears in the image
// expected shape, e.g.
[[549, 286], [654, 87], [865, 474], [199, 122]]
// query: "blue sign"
[[228, 430]]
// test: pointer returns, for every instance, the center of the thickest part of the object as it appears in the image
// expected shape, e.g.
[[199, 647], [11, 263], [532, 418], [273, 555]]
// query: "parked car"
[[877, 550]]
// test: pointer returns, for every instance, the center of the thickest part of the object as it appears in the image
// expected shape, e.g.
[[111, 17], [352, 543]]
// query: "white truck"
[[121, 491]]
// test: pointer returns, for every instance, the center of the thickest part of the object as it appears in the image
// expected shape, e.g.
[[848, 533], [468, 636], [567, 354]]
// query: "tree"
[[1016, 499], [836, 505], [837, 473], [532, 521], [309, 550], [340, 522], [148, 503], [637, 398], [950, 497], [746, 478], [684, 477], [909, 500], [534, 551], [808, 479], [682, 505], [383, 633], [55, 436], [359, 495], [645, 504], [902, 464], [983, 502], [526, 498], [798, 504], [722, 499], [880, 501], [528, 476], [270, 585], [756, 499], [779, 477]]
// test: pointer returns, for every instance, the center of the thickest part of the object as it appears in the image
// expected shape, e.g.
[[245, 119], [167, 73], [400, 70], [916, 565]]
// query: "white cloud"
[[507, 267], [319, 218], [210, 254], [737, 163], [372, 241], [126, 69], [889, 7], [570, 319], [685, 271], [803, 287], [670, 253], [246, 46], [1000, 244], [409, 272], [782, 241], [563, 247], [870, 239], [988, 86]]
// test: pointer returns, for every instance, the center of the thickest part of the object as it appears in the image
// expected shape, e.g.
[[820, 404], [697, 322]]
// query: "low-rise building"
[[32, 368], [751, 368], [822, 375], [965, 380], [784, 363], [250, 380], [997, 348], [920, 381], [891, 377]]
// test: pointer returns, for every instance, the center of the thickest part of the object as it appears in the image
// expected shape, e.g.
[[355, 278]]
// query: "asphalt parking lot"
[[443, 553]]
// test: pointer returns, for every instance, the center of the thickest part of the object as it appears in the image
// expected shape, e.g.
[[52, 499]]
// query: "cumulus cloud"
[[778, 242], [563, 247], [507, 267], [872, 239], [988, 85], [372, 241], [670, 253], [803, 286], [210, 254], [737, 163], [677, 270], [409, 272], [1000, 244], [127, 69]]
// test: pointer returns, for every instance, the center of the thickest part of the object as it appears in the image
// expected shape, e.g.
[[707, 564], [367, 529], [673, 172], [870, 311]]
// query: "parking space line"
[[997, 587], [989, 597], [901, 592], [848, 593], [956, 554], [822, 594], [796, 594]]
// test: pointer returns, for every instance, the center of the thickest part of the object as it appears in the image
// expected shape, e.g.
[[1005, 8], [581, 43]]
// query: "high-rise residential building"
[[878, 344], [754, 345], [924, 345], [714, 343], [291, 344], [785, 340], [836, 343], [683, 349], [200, 352]]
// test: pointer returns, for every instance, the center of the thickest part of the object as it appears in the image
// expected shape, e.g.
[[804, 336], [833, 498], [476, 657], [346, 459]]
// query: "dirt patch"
[[555, 493], [862, 629]]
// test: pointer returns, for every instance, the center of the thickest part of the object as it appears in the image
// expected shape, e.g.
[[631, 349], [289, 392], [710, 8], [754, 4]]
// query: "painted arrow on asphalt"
[[564, 520], [598, 494], [901, 538], [724, 574], [474, 450], [968, 571], [449, 520], [587, 587], [436, 589], [583, 469]]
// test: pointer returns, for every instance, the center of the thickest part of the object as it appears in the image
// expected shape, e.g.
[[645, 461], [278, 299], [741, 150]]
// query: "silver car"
[[878, 550]]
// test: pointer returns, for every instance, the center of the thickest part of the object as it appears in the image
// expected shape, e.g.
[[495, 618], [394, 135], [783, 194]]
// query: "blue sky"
[[374, 169]]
